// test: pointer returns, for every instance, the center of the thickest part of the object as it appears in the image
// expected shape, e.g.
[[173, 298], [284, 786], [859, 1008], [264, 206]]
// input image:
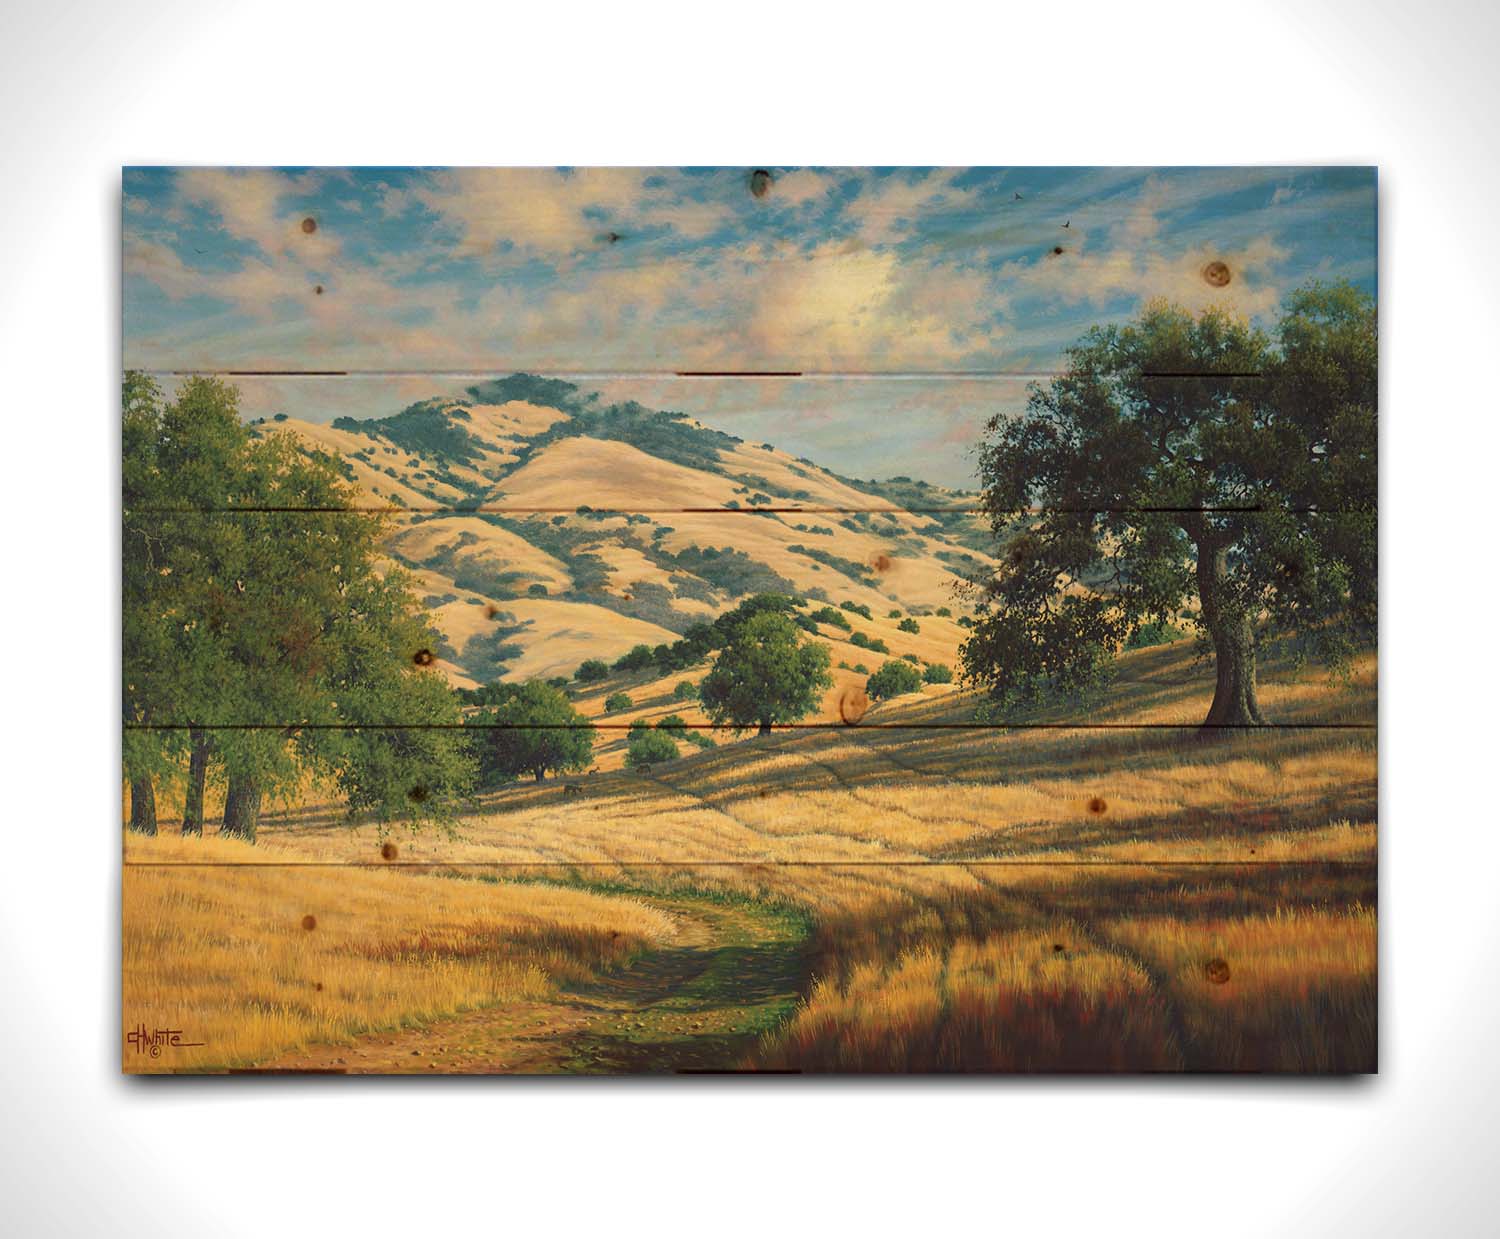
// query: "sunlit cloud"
[[641, 270]]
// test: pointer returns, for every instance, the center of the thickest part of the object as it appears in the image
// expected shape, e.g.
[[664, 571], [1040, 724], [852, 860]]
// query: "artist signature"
[[150, 1041]]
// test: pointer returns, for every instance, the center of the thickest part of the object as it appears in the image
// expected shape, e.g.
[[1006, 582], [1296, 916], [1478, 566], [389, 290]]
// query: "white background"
[[88, 86]]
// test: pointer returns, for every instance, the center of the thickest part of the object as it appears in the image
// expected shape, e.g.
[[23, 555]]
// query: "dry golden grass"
[[253, 958], [996, 900], [1007, 1002], [1299, 994]]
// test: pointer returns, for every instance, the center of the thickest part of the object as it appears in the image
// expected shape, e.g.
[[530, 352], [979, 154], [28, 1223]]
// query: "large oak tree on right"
[[1186, 466]]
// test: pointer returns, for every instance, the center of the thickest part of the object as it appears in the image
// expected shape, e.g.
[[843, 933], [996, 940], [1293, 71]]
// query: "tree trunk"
[[142, 806], [192, 813], [541, 774], [241, 809], [765, 727], [1235, 703]]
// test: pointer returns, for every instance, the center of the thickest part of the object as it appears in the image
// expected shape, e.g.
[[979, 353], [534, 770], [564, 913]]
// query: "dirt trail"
[[733, 972]]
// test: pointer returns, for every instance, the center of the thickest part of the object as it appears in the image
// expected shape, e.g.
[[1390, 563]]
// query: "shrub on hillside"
[[856, 608], [909, 625], [592, 671], [637, 658], [937, 673], [536, 590], [672, 722], [649, 747], [892, 680], [827, 615], [686, 690], [616, 702]]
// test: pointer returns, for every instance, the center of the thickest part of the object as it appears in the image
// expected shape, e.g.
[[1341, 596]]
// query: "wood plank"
[[544, 445], [609, 969], [665, 270], [894, 794]]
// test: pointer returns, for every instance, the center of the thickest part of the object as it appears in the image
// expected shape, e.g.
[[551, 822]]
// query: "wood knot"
[[760, 183], [423, 658], [1216, 273], [309, 921], [881, 562], [309, 225], [1098, 805], [318, 290], [491, 611], [1216, 971], [853, 702], [1056, 250], [388, 850]]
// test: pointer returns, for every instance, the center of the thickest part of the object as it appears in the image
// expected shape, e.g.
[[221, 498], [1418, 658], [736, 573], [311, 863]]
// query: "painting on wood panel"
[[687, 620]]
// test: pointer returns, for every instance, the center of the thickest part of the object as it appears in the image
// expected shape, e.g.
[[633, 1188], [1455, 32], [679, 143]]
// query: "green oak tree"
[[536, 729], [892, 680], [647, 747], [1186, 465], [263, 632], [766, 674]]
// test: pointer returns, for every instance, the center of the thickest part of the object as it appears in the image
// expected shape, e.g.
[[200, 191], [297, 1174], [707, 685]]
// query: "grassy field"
[[250, 957], [1024, 899]]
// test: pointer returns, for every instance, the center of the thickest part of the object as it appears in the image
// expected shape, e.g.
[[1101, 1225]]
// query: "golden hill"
[[544, 529]]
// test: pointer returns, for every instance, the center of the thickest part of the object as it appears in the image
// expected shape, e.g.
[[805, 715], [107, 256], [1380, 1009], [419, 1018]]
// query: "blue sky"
[[425, 277]]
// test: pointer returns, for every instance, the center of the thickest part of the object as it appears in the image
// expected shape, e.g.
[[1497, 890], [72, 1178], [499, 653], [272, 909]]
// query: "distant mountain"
[[574, 529]]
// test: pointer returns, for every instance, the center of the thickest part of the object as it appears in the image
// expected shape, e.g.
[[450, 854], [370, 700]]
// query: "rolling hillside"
[[546, 528]]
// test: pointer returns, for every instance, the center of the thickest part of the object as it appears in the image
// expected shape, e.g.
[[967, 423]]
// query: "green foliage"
[[1153, 632], [937, 673], [909, 625], [895, 613], [637, 658], [254, 592], [616, 702], [852, 569], [648, 747], [702, 739], [731, 570], [591, 671], [672, 722], [686, 690], [534, 729], [892, 680], [1254, 494], [536, 590], [428, 427], [766, 675], [867, 642], [856, 608], [913, 659], [944, 611], [827, 615]]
